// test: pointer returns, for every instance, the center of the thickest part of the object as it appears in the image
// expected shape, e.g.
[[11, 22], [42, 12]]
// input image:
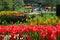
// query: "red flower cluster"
[[49, 32]]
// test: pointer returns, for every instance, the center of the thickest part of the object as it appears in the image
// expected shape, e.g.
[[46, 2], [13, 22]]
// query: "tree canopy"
[[17, 4], [11, 4], [45, 2]]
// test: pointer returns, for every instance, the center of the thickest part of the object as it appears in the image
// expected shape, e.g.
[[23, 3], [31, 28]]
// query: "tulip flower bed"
[[14, 17], [30, 32], [34, 19]]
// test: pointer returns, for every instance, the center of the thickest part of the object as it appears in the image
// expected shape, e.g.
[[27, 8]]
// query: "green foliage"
[[36, 19], [22, 9], [11, 4], [45, 2]]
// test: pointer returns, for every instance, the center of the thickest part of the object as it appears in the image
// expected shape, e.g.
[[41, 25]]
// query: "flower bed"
[[14, 17], [29, 19], [30, 32], [11, 17]]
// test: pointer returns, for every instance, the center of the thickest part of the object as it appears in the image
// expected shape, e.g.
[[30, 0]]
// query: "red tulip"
[[35, 29], [12, 38], [30, 28], [28, 38], [20, 35], [43, 34], [39, 28], [43, 27], [26, 29], [13, 34], [1, 37], [50, 32]]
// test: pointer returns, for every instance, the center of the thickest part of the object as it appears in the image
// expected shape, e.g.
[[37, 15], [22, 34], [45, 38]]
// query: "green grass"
[[22, 9]]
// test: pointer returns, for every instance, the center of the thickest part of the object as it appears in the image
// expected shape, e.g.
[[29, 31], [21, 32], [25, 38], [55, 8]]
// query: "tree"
[[18, 4], [30, 1], [45, 2], [58, 1], [11, 4]]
